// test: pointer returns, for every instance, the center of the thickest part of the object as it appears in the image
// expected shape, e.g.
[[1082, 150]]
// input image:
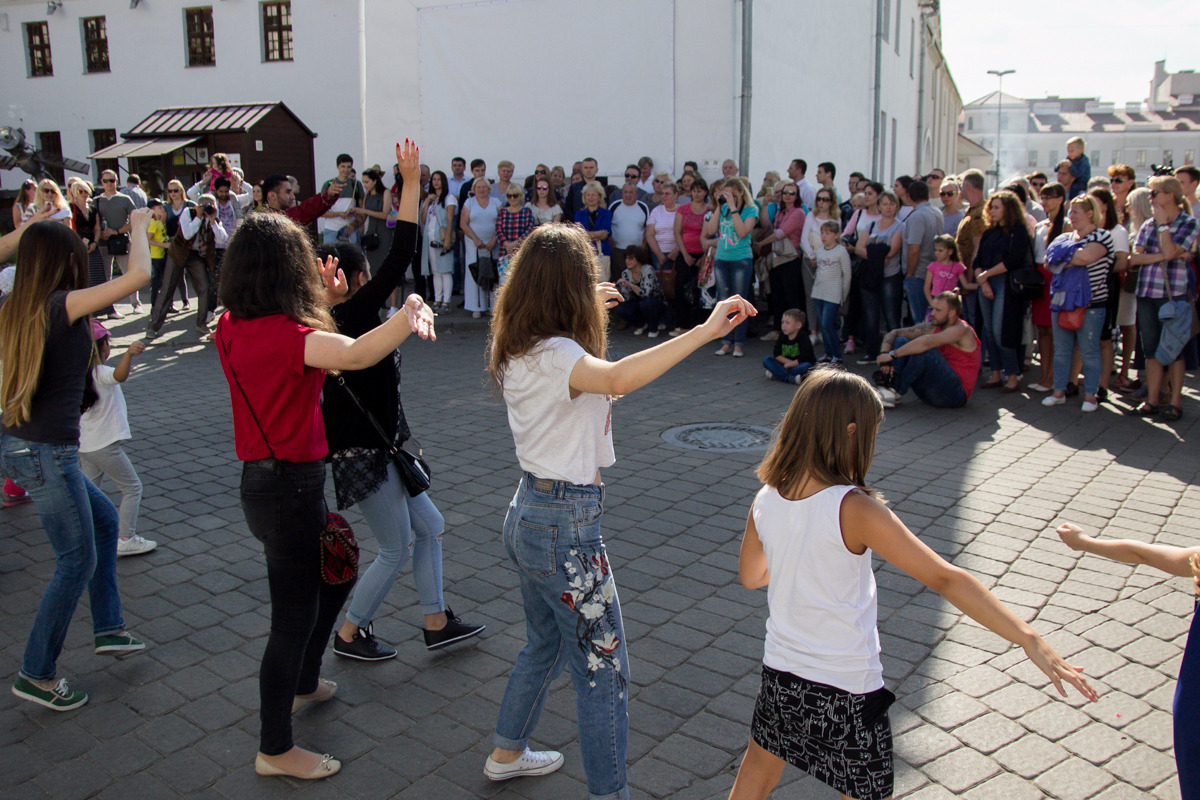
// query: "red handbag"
[[1072, 320], [339, 551]]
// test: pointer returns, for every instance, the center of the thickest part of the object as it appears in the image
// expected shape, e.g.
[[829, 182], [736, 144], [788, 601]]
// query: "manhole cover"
[[720, 436]]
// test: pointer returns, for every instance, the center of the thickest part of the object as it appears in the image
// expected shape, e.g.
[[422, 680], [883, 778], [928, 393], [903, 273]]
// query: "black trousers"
[[787, 290], [284, 504]]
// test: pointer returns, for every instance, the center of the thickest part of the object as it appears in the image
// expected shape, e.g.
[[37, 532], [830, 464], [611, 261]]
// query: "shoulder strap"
[[392, 448], [249, 407]]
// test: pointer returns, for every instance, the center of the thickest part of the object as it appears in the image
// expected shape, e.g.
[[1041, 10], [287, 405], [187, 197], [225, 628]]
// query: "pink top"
[[791, 223], [945, 276]]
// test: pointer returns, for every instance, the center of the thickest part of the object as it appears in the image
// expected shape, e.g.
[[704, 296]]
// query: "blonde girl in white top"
[[809, 539], [548, 346]]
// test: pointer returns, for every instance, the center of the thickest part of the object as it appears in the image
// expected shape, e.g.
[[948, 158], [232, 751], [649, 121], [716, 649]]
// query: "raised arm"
[[595, 376], [9, 241], [333, 351], [121, 373], [82, 302]]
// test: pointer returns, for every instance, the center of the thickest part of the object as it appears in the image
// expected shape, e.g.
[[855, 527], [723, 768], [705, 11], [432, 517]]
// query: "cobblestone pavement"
[[983, 486]]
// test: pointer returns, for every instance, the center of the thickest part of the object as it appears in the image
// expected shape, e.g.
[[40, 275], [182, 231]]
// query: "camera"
[[435, 245], [721, 201], [1160, 170], [210, 210]]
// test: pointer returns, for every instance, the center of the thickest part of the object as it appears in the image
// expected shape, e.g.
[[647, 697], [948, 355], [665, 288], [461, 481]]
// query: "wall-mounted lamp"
[[52, 6]]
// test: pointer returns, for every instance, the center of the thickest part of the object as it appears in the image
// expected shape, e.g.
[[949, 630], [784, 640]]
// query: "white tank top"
[[821, 596]]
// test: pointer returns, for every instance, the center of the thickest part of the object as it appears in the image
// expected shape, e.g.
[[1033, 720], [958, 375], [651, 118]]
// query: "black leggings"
[[284, 503]]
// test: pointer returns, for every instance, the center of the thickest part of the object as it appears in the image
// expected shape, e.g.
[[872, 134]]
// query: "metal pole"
[[999, 73], [876, 133], [747, 61]]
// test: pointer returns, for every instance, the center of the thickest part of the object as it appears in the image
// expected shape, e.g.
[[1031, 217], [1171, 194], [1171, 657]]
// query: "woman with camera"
[[202, 231], [736, 216]]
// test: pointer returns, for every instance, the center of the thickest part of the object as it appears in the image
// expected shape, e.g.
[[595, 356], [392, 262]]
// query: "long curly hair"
[[1014, 212]]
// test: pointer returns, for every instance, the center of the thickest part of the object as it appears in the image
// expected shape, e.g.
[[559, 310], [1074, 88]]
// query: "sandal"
[[1144, 410], [1170, 413]]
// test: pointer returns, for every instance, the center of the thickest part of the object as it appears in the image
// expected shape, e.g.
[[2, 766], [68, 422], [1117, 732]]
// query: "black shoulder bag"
[[339, 547], [414, 470]]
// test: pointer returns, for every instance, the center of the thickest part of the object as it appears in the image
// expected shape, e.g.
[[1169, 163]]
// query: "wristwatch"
[[1162, 228]]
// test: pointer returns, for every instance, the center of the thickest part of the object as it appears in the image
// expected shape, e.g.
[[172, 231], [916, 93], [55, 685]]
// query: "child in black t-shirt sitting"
[[793, 355]]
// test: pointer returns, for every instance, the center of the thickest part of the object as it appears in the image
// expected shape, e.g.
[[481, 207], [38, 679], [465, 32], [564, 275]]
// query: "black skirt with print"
[[843, 740]]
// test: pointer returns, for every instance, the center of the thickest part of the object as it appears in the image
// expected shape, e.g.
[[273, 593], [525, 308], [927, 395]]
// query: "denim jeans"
[[157, 267], [647, 311], [572, 619], [991, 313], [930, 378], [81, 524], [782, 373], [403, 526], [827, 314], [914, 289], [734, 277], [892, 297], [1088, 339], [284, 504]]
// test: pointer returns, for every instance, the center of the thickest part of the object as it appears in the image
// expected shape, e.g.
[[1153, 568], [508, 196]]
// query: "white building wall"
[[357, 80]]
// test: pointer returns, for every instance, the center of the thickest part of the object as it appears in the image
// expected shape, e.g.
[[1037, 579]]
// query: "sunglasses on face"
[[947, 194], [789, 194], [634, 177], [1115, 181], [1154, 193], [108, 180], [513, 195]]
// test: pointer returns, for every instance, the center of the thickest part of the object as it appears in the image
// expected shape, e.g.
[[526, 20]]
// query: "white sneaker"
[[887, 396], [1088, 407], [769, 336], [797, 379], [134, 546], [1054, 401], [677, 332], [652, 335], [639, 330], [531, 762], [768, 373]]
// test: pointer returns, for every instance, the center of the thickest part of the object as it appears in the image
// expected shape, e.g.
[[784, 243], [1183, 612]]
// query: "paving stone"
[[1097, 743], [1142, 766], [960, 770], [1030, 756], [1074, 779]]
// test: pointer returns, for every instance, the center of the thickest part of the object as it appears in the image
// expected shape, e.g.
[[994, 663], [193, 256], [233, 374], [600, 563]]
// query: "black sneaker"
[[455, 631], [364, 647]]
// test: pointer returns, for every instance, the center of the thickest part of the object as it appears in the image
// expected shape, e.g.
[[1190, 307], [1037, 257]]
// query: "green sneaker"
[[118, 644], [60, 698]]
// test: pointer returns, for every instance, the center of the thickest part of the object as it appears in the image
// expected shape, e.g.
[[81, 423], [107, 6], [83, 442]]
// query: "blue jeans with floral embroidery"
[[572, 619]]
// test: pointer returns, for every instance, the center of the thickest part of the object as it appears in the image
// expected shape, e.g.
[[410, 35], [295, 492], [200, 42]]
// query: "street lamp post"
[[999, 73]]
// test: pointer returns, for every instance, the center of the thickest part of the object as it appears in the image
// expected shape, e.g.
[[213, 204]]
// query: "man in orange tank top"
[[938, 359]]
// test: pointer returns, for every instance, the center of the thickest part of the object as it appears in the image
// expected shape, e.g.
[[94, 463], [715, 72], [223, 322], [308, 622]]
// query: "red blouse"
[[267, 357]]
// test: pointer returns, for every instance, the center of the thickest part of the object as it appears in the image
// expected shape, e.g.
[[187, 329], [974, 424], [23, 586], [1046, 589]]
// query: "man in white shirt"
[[645, 166], [629, 218], [796, 172], [340, 214]]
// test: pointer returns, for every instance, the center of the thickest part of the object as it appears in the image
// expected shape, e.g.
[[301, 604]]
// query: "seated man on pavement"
[[938, 360]]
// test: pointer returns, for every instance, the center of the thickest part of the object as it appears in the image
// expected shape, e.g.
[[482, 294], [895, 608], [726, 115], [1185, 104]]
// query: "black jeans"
[[284, 504], [787, 290], [685, 306]]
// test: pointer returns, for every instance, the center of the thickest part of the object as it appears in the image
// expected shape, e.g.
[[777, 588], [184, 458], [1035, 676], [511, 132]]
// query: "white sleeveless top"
[[821, 596]]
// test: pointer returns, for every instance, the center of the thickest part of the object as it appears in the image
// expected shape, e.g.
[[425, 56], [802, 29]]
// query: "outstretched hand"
[[420, 317], [727, 315], [408, 159], [1058, 670], [139, 220], [1072, 535], [609, 294], [334, 279]]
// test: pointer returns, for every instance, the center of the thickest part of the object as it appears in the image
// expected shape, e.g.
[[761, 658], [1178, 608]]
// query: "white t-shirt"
[[628, 223], [821, 597], [664, 227], [557, 437], [1120, 238], [107, 421]]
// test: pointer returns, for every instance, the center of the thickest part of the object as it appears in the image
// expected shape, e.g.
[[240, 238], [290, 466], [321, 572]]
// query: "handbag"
[[1072, 320], [370, 241], [483, 271], [704, 276], [339, 551], [1178, 324], [666, 278], [1028, 282], [870, 269], [117, 245], [339, 547], [413, 468]]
